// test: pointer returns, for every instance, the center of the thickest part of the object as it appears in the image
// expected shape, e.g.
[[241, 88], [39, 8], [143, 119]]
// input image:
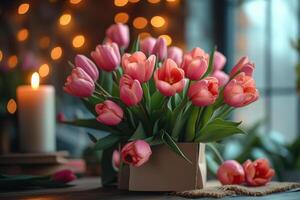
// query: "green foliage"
[[107, 142], [136, 45], [217, 130]]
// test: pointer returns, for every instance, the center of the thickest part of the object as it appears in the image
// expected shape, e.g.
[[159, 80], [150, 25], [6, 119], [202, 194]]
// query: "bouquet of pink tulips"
[[154, 95]]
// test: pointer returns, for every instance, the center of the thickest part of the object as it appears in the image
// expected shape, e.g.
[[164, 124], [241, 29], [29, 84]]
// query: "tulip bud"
[[107, 56], [169, 79], [64, 176], [119, 33], [147, 45], [160, 48], [116, 160], [240, 91], [231, 172], [109, 113], [87, 65], [137, 66], [204, 92], [136, 153], [219, 61], [79, 83], [243, 65], [258, 173], [175, 54], [131, 92], [222, 77]]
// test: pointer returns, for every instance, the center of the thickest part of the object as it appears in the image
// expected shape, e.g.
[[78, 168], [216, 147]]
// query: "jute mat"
[[234, 190]]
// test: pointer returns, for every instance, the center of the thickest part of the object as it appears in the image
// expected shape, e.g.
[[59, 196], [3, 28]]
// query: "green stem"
[[102, 89], [115, 77]]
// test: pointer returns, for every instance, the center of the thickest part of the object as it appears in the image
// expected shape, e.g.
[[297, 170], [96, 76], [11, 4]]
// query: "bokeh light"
[[23, 8], [56, 53], [144, 35], [22, 34], [44, 70], [120, 3], [1, 55], [140, 22], [12, 61], [121, 17], [158, 21], [78, 41], [75, 1], [167, 38], [44, 42], [153, 1], [11, 106], [65, 19]]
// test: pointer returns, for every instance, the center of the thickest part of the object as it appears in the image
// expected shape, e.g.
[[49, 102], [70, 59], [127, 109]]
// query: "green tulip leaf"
[[218, 129], [139, 133], [107, 142], [156, 100], [91, 102], [93, 124], [136, 45], [169, 141], [147, 96], [92, 137], [191, 124], [106, 81]]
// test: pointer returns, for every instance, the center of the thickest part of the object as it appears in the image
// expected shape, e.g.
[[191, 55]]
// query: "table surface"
[[88, 189]]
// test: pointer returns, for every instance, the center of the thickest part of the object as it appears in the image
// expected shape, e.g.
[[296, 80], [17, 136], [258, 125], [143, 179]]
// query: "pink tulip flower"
[[199, 53], [138, 66], [147, 45], [258, 173], [64, 176], [169, 79], [109, 113], [116, 160], [222, 77], [136, 153], [195, 63], [131, 92], [240, 91], [87, 65], [79, 83], [118, 33], [230, 173], [204, 92], [107, 56], [219, 61], [160, 48], [175, 54], [243, 65]]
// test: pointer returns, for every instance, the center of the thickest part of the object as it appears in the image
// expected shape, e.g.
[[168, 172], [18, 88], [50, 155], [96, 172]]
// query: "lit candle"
[[36, 110]]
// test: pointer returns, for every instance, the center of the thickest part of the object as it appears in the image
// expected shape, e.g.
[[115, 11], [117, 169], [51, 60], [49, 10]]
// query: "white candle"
[[36, 110]]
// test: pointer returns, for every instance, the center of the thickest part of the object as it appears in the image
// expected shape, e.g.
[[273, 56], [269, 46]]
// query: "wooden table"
[[88, 189]]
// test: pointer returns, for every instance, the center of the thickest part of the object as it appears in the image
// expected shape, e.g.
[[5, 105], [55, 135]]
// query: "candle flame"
[[35, 80]]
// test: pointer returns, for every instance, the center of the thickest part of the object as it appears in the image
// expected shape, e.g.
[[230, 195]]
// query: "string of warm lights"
[[157, 23]]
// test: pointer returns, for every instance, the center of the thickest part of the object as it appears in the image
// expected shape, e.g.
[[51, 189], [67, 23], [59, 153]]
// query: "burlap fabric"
[[234, 190]]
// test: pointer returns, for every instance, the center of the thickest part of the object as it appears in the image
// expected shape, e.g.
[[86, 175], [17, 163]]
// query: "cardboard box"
[[166, 171]]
